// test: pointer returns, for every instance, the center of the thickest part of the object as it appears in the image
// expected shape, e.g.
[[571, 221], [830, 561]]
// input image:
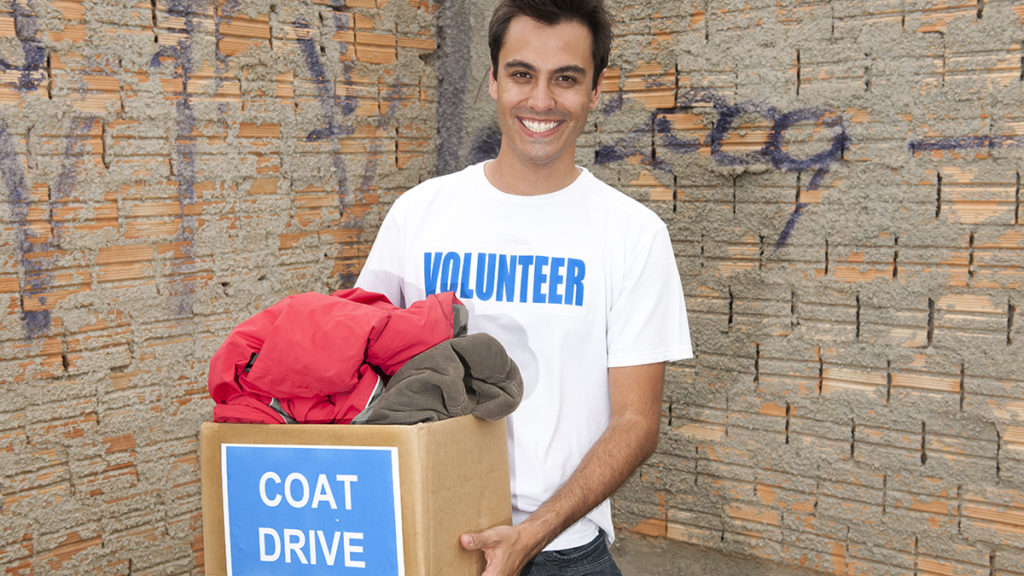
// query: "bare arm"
[[631, 437]]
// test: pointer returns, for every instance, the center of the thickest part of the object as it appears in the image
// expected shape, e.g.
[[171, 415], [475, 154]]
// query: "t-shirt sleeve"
[[382, 272], [647, 321]]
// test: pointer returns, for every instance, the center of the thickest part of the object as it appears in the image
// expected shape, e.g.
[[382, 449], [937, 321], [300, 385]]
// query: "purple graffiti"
[[790, 225], [27, 32], [35, 263], [334, 110], [228, 10], [392, 97], [639, 142], [35, 322], [613, 104], [964, 143], [181, 287], [663, 128], [181, 55], [37, 279], [74, 147], [326, 93], [332, 129]]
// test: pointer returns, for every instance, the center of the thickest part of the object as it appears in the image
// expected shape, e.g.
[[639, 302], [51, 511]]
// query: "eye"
[[520, 75], [566, 80]]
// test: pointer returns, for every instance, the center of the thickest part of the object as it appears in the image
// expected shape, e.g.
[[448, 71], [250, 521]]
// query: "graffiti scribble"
[[639, 144], [330, 105], [964, 143], [26, 30], [35, 322], [182, 286], [37, 257]]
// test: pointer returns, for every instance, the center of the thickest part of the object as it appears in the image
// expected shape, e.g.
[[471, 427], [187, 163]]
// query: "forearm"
[[630, 438], [625, 445]]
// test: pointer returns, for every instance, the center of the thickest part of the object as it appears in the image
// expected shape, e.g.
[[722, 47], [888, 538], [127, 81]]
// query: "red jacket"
[[315, 354]]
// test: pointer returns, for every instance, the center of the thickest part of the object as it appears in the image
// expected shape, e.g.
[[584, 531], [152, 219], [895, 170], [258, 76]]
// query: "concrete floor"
[[639, 555]]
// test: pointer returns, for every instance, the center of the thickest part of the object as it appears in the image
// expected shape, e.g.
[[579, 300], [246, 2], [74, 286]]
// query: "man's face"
[[543, 90]]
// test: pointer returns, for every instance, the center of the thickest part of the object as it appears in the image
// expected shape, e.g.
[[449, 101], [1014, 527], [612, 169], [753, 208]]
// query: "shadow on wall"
[[486, 145]]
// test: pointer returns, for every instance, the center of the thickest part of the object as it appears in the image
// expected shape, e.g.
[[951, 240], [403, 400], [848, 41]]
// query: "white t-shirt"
[[571, 283]]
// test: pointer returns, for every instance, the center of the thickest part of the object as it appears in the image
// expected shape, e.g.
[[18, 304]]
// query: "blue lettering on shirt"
[[576, 271], [449, 272], [540, 276], [525, 262], [431, 270], [485, 272], [532, 278], [506, 278], [464, 286], [555, 280]]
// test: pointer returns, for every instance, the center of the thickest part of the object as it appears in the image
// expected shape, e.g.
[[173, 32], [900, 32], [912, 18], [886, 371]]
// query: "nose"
[[541, 98]]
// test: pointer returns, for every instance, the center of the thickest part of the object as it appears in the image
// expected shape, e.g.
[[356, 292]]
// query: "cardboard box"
[[344, 499]]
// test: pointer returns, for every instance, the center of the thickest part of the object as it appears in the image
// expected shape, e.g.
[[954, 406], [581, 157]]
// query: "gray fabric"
[[468, 375], [276, 405], [460, 320]]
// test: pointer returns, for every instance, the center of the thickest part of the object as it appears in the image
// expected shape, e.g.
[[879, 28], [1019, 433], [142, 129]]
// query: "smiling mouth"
[[539, 127]]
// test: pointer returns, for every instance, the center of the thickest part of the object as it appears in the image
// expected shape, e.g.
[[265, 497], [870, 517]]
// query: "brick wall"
[[842, 181], [167, 169]]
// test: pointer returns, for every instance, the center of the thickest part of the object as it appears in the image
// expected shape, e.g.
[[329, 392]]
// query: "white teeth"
[[533, 126]]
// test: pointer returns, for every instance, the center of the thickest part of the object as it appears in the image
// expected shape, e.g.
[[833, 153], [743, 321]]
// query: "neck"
[[529, 180]]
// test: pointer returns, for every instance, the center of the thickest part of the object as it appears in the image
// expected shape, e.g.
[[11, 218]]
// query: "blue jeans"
[[592, 559]]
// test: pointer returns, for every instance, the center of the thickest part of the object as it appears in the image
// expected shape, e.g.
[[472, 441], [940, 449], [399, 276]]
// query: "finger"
[[470, 541]]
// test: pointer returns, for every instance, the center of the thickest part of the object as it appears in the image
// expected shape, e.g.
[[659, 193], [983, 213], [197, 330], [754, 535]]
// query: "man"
[[576, 280]]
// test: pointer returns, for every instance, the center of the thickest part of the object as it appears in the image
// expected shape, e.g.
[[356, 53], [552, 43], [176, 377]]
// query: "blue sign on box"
[[307, 510]]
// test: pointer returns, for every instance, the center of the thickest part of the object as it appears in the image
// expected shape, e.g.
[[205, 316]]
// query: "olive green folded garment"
[[466, 375]]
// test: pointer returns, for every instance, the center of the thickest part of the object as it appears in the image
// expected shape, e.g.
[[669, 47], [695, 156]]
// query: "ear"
[[597, 90], [492, 83]]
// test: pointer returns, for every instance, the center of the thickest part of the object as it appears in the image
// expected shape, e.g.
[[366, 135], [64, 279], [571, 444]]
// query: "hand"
[[503, 547]]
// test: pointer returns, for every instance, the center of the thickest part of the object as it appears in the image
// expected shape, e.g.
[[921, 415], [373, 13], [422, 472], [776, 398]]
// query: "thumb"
[[470, 541]]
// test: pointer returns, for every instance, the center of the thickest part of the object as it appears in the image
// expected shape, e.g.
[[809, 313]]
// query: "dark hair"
[[590, 13]]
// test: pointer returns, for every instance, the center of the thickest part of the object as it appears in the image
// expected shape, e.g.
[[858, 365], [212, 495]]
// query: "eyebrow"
[[567, 69]]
